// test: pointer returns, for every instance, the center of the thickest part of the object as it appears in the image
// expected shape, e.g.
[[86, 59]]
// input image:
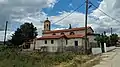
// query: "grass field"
[[13, 58]]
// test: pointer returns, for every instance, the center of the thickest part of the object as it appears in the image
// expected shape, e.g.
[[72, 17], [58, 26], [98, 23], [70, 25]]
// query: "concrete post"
[[105, 47]]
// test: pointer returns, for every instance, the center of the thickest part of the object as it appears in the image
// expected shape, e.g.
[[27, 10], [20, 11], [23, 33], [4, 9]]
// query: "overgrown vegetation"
[[14, 58], [81, 61]]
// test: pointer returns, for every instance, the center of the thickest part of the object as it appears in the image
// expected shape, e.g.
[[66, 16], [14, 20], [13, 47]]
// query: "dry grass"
[[11, 58], [81, 61]]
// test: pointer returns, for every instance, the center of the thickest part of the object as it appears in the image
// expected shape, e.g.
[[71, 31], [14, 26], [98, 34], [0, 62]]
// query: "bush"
[[62, 57], [11, 57]]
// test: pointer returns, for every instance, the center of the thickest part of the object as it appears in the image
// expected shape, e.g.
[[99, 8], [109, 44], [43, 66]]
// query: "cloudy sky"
[[36, 11]]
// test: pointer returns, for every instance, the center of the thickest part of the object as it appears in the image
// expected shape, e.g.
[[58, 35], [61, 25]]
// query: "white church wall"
[[71, 42], [92, 38], [51, 47], [92, 41], [61, 44], [89, 31]]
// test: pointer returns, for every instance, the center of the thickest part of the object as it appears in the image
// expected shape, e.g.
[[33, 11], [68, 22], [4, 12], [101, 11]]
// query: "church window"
[[76, 43], [62, 33], [47, 25], [66, 42], [45, 41], [52, 41], [54, 34], [72, 33]]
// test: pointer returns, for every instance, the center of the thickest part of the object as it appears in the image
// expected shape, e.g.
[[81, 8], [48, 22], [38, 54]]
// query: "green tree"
[[26, 32], [109, 40], [103, 38], [98, 39], [114, 39], [17, 38]]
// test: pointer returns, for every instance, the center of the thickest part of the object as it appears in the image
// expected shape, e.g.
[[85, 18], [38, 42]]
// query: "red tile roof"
[[75, 36], [66, 30], [51, 37], [61, 36]]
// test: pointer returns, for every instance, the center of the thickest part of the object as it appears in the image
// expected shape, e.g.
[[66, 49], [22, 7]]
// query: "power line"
[[69, 14], [104, 12], [58, 1]]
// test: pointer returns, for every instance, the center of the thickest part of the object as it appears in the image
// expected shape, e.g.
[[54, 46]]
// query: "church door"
[[76, 43]]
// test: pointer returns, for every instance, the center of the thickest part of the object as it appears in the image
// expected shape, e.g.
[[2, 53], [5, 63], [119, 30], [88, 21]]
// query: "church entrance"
[[76, 43]]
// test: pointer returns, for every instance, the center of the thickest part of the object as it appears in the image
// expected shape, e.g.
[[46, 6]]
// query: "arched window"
[[62, 33], [52, 41], [72, 33], [53, 34]]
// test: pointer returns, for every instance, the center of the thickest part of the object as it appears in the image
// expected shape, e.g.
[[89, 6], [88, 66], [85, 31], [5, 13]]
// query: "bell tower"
[[47, 25]]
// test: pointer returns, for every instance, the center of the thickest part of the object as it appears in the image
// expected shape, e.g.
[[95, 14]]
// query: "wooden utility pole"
[[86, 26], [5, 32]]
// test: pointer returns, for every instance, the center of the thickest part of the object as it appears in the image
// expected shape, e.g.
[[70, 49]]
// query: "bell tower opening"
[[47, 25]]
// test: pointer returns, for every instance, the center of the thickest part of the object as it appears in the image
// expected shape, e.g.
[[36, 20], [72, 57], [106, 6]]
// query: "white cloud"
[[22, 11], [51, 3], [110, 7], [98, 20], [59, 28], [71, 5], [76, 19], [8, 35]]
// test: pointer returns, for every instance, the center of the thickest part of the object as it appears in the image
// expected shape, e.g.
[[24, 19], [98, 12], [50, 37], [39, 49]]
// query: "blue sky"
[[69, 5], [61, 6]]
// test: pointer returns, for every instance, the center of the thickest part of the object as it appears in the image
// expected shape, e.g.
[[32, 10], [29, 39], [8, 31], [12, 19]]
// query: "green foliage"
[[109, 40], [26, 32], [102, 39], [62, 57], [114, 39], [12, 57], [17, 38], [15, 58]]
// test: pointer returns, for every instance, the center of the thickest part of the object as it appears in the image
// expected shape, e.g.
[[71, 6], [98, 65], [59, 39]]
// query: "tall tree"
[[103, 38], [26, 32], [17, 38], [114, 39]]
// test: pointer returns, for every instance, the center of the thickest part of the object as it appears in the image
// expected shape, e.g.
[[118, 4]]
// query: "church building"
[[63, 40]]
